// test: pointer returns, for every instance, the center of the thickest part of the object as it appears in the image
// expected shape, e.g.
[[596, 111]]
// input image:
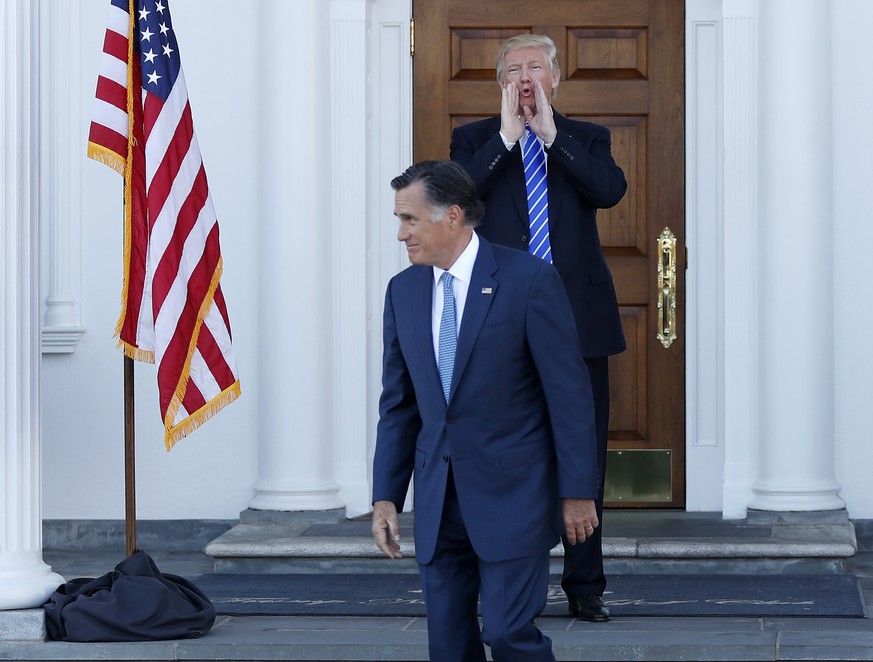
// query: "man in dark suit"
[[581, 177], [496, 425]]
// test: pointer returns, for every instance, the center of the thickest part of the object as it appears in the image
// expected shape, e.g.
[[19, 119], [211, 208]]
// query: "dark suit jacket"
[[519, 426], [582, 177]]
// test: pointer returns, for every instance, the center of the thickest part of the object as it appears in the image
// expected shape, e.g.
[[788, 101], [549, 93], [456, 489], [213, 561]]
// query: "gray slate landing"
[[665, 541], [22, 625], [635, 542]]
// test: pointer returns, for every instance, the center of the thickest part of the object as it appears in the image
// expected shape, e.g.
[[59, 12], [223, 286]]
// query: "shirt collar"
[[463, 266]]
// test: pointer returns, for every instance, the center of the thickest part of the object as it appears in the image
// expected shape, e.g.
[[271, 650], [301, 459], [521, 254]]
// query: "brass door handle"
[[666, 287]]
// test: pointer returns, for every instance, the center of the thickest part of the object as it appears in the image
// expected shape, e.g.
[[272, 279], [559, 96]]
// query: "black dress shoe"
[[589, 608]]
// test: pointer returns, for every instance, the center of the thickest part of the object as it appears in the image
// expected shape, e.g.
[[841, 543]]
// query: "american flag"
[[173, 312]]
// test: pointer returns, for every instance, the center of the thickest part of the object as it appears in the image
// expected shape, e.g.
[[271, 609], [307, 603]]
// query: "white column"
[[295, 355], [740, 254], [796, 405], [25, 581], [348, 129]]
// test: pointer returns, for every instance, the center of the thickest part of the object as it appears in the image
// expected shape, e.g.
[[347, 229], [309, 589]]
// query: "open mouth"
[[527, 97]]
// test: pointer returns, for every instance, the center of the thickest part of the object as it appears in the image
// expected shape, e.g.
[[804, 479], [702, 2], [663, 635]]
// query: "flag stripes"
[[173, 310]]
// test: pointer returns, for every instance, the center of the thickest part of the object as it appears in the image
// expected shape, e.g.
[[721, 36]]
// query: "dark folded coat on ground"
[[134, 602]]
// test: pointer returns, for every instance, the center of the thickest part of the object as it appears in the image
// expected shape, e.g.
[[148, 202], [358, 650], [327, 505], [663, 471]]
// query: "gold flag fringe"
[[136, 353], [182, 385], [107, 157], [199, 417]]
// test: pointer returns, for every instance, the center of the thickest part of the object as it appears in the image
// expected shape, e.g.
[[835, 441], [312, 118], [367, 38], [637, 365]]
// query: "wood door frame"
[[713, 45]]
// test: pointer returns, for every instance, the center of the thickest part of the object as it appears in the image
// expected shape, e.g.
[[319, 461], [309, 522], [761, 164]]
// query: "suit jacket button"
[[445, 458], [524, 237], [450, 419]]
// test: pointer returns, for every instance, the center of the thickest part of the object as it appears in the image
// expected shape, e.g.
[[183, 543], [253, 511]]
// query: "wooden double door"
[[623, 67]]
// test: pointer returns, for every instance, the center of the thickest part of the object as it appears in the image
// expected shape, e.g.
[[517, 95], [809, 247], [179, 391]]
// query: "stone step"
[[635, 542]]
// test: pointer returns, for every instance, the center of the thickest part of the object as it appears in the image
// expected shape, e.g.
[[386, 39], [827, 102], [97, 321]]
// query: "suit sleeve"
[[399, 420], [586, 160], [555, 349], [483, 163]]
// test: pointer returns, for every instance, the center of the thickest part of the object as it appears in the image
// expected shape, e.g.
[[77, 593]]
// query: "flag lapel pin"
[[487, 290]]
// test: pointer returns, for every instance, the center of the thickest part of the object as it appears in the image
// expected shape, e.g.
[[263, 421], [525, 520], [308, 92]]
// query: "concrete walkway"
[[654, 543]]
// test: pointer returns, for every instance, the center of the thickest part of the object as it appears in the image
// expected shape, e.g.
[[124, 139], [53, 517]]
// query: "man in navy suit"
[[581, 177], [500, 439]]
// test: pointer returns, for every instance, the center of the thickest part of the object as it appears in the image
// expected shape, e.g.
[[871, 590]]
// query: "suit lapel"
[[480, 294], [514, 174], [517, 187], [422, 302]]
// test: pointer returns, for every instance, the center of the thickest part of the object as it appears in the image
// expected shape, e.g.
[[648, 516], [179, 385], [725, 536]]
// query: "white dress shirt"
[[462, 272]]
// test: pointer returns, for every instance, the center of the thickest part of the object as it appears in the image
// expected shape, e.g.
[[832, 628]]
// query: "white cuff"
[[508, 144]]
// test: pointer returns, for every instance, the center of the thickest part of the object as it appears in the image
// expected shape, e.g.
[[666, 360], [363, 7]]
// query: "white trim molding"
[[389, 152], [63, 147], [704, 226]]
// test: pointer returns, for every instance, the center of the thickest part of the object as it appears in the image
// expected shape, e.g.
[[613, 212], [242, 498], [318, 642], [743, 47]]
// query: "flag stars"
[[158, 53]]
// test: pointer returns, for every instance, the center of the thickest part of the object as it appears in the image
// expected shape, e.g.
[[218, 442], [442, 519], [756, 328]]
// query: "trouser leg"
[[583, 563], [450, 583], [513, 593]]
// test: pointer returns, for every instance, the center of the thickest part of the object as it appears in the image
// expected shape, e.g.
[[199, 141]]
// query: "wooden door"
[[622, 65]]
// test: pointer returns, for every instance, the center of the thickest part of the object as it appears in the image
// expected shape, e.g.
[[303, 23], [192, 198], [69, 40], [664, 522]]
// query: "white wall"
[[853, 238]]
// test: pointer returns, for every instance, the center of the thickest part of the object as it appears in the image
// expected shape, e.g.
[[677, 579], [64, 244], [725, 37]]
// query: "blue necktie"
[[534, 160], [448, 336]]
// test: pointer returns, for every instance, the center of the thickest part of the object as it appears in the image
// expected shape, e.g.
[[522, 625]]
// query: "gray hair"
[[445, 183], [526, 41]]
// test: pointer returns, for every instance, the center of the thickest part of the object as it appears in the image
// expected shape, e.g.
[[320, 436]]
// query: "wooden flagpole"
[[129, 461]]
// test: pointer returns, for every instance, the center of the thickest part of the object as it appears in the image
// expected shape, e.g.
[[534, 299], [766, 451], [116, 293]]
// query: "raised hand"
[[511, 119], [542, 123]]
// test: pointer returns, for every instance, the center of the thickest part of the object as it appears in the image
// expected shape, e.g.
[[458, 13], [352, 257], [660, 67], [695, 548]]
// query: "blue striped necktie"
[[534, 160], [448, 335]]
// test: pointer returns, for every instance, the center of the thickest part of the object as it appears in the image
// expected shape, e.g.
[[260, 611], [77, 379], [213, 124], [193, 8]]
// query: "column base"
[[28, 591], [796, 500], [324, 498]]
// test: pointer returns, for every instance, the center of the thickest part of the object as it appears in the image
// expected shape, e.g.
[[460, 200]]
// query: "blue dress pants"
[[512, 594]]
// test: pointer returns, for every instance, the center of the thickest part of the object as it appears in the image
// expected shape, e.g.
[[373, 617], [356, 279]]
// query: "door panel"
[[623, 68]]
